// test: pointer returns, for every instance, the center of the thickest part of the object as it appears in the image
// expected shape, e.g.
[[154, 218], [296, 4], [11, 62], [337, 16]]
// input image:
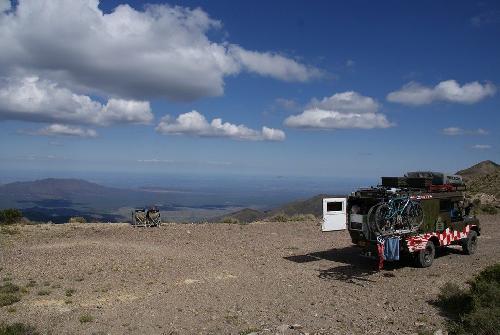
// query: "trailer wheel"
[[425, 258], [469, 244]]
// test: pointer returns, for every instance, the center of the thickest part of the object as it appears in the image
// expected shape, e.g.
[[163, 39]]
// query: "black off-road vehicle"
[[416, 214]]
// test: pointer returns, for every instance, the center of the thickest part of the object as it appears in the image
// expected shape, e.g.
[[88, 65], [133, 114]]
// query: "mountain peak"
[[481, 168]]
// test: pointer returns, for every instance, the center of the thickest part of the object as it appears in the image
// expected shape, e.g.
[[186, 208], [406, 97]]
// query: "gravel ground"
[[268, 278]]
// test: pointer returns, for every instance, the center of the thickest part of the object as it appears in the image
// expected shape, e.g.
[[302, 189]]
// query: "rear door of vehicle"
[[334, 214]]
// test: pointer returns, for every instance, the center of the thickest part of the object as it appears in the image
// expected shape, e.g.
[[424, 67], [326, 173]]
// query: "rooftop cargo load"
[[394, 182], [438, 178]]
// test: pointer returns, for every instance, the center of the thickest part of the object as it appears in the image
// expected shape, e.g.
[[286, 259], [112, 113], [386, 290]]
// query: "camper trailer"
[[406, 216]]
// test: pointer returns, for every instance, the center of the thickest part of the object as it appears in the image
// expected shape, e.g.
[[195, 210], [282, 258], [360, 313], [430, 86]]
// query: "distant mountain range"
[[312, 206], [57, 200], [52, 188]]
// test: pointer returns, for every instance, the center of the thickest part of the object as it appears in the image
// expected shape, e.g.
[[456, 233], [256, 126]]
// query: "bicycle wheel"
[[371, 218], [382, 220], [414, 215]]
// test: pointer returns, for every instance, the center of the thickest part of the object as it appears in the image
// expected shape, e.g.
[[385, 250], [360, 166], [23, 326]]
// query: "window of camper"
[[334, 206], [444, 205]]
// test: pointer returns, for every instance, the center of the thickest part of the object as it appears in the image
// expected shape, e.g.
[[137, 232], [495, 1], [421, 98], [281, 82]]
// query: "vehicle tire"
[[469, 244], [425, 258]]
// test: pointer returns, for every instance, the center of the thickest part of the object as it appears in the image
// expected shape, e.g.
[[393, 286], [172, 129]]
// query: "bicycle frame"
[[397, 206]]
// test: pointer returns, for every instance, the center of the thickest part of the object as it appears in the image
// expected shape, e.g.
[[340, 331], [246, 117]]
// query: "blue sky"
[[345, 89]]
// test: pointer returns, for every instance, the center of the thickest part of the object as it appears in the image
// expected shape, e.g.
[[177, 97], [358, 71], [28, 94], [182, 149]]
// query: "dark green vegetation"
[[483, 186], [475, 310], [10, 216], [17, 329], [69, 292], [9, 294], [85, 318]]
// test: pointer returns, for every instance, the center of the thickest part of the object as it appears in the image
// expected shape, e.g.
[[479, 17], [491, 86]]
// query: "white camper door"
[[334, 214]]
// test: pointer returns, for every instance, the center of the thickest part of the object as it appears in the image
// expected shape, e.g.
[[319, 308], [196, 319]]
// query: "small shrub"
[[31, 283], [43, 292], [475, 310], [10, 216], [230, 220], [9, 230], [17, 329], [85, 318], [231, 318], [77, 219], [9, 294], [303, 217], [69, 292], [279, 218], [454, 300], [7, 299], [9, 288]]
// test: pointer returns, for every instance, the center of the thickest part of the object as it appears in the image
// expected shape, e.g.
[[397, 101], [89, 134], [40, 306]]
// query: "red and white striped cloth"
[[418, 242]]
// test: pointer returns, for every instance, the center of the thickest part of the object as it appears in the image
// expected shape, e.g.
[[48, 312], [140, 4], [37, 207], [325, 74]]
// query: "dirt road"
[[221, 279]]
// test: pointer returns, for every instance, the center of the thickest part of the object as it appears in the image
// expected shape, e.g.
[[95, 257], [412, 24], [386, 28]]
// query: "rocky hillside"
[[483, 178], [483, 185], [480, 169]]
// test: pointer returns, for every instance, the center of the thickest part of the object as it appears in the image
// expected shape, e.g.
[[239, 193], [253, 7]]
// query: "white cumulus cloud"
[[65, 130], [36, 100], [161, 51], [449, 91], [273, 65], [455, 131], [195, 124], [340, 111]]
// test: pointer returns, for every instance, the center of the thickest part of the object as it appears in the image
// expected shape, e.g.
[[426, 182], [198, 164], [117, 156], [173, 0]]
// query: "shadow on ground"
[[356, 269]]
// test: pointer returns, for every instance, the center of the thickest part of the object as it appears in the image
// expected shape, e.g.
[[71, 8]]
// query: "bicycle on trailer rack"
[[398, 215]]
